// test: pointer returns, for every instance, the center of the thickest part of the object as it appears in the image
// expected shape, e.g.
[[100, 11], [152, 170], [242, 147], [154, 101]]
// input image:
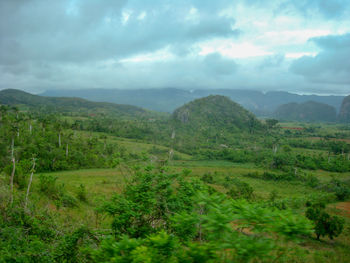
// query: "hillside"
[[344, 114], [217, 112], [310, 111], [69, 104], [168, 99]]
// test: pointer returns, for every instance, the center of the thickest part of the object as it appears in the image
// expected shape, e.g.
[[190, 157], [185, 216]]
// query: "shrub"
[[81, 193], [48, 186], [207, 178], [339, 188], [240, 189], [67, 200]]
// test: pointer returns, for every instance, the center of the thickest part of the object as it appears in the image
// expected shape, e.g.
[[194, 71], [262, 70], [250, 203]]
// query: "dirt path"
[[345, 207]]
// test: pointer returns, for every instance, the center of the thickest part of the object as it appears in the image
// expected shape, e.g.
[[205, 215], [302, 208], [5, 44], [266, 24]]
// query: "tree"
[[270, 123], [325, 224]]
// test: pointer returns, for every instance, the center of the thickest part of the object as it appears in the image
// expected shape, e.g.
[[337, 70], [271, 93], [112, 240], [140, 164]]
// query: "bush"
[[207, 178], [81, 193], [339, 188], [47, 185], [67, 200], [240, 189]]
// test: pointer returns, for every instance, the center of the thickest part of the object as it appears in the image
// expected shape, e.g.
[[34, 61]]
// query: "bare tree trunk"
[[29, 184], [59, 139], [30, 128], [200, 223], [171, 154], [12, 147], [275, 148], [11, 180]]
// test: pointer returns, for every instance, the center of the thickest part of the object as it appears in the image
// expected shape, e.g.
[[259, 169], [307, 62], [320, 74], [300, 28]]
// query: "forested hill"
[[214, 112], [309, 111], [344, 114], [67, 104]]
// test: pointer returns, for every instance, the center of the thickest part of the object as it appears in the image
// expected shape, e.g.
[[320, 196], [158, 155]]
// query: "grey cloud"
[[64, 44], [45, 30], [271, 61], [219, 65], [330, 9], [331, 65]]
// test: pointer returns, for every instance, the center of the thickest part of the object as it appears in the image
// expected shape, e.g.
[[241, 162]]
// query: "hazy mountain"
[[168, 99], [308, 111], [215, 111], [62, 104], [344, 114]]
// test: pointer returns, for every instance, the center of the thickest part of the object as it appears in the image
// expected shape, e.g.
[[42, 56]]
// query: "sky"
[[298, 46]]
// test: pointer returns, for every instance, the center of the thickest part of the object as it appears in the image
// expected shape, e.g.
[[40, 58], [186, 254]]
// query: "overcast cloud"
[[299, 46]]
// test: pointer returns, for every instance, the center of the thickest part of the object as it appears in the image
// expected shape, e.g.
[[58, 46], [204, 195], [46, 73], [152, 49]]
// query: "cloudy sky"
[[300, 46]]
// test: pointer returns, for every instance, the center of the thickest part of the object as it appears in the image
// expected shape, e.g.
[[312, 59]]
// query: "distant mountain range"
[[201, 106], [15, 97], [168, 99]]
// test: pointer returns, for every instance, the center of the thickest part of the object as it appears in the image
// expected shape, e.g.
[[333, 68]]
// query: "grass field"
[[101, 184]]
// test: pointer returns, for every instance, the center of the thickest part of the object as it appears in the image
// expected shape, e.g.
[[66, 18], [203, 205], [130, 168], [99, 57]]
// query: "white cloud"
[[300, 54], [230, 49]]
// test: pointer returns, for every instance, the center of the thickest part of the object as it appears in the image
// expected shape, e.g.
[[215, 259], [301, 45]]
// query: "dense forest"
[[82, 181]]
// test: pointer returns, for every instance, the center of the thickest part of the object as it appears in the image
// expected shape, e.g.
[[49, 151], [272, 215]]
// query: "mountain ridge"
[[15, 97], [168, 99], [344, 114], [309, 111]]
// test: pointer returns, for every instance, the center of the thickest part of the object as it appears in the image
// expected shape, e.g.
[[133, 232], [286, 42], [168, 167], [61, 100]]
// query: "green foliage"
[[25, 238], [310, 180], [207, 178], [239, 189], [67, 200], [160, 247], [158, 215], [152, 204], [339, 188], [148, 200], [325, 224], [270, 123], [48, 186], [81, 193], [70, 246]]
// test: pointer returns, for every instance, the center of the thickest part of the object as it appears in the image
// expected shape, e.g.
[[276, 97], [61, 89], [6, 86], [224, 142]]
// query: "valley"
[[98, 182]]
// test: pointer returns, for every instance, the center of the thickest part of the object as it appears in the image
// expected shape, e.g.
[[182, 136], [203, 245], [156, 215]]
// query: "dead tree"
[[29, 183], [12, 177]]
